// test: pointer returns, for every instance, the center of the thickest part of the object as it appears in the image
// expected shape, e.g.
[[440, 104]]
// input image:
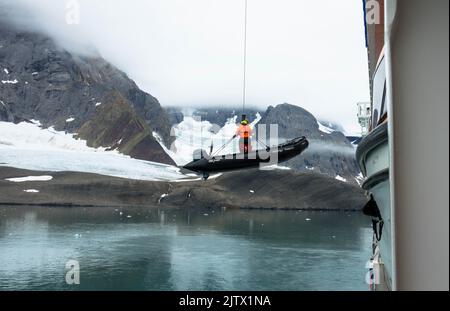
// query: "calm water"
[[182, 249]]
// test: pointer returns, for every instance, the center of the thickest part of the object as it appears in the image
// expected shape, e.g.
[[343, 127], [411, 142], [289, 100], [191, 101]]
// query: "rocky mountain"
[[78, 94], [87, 95], [329, 152]]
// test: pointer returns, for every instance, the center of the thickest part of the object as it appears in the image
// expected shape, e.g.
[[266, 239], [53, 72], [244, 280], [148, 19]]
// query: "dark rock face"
[[130, 134], [5, 113], [328, 153], [39, 80]]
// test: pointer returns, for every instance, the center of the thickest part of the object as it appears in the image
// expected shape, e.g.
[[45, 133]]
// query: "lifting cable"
[[245, 59], [244, 80]]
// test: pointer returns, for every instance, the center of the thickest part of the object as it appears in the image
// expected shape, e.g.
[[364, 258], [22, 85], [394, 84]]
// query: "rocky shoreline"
[[253, 189]]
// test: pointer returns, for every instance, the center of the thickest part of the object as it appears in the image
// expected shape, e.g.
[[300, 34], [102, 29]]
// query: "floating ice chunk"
[[274, 167], [30, 178], [252, 191], [31, 191], [128, 216], [308, 219], [162, 197], [98, 104]]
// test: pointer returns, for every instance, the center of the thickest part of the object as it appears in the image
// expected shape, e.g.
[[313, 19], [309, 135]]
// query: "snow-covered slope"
[[325, 129], [28, 146]]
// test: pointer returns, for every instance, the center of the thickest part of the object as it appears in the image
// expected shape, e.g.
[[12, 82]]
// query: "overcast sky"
[[190, 52]]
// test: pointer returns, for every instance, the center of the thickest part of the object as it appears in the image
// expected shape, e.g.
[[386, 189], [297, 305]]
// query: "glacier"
[[29, 146]]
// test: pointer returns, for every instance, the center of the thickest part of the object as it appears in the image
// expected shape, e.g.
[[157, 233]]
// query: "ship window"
[[383, 102], [379, 83]]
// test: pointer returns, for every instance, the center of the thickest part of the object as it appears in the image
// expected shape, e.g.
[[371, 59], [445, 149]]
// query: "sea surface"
[[181, 249]]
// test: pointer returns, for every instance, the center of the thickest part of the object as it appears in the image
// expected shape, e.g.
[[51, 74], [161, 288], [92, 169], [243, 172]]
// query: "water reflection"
[[182, 249]]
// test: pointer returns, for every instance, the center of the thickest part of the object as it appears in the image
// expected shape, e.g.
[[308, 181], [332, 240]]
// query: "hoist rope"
[[244, 82], [244, 86]]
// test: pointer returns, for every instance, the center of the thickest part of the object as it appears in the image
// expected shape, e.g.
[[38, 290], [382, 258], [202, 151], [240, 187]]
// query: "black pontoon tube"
[[236, 161]]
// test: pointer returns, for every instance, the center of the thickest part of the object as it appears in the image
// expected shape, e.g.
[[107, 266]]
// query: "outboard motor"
[[200, 154]]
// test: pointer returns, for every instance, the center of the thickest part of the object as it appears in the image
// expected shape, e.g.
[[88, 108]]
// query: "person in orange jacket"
[[244, 131]]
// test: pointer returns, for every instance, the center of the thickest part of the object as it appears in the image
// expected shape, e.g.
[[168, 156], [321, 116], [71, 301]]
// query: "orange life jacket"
[[244, 131]]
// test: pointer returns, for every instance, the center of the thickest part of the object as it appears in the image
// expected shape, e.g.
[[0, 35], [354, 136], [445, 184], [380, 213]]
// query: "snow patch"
[[273, 167], [70, 120], [359, 179], [30, 136], [37, 122], [162, 197], [6, 71], [10, 81], [30, 178], [176, 158], [98, 104], [252, 191], [338, 177], [324, 129], [31, 191], [197, 179]]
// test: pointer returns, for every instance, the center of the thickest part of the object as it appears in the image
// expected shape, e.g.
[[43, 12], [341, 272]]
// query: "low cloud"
[[189, 53]]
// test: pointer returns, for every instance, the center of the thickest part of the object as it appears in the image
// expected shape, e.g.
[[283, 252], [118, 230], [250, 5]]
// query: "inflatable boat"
[[205, 164]]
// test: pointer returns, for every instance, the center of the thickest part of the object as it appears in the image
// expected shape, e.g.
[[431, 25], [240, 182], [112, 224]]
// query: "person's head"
[[244, 122]]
